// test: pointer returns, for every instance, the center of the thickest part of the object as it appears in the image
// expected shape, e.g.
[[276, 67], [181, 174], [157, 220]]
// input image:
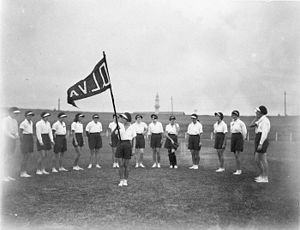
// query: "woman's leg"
[[97, 156], [237, 160], [154, 155], [221, 157], [158, 155], [24, 162], [77, 156], [141, 160], [265, 165], [121, 168], [126, 168]]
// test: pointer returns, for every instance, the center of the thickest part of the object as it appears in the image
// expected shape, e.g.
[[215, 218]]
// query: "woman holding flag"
[[126, 147]]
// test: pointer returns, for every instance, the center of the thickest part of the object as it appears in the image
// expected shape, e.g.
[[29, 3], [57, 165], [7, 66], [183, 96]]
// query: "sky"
[[207, 55]]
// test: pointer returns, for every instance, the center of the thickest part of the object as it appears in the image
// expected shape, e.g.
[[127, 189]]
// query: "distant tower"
[[156, 106]]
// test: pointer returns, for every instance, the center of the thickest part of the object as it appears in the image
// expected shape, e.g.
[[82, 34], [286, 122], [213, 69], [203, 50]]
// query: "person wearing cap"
[[114, 140], [26, 139], [238, 135], [44, 141], [11, 135], [155, 130], [141, 130], [126, 147], [93, 131], [77, 141], [172, 130], [220, 130], [262, 128], [59, 129], [194, 132]]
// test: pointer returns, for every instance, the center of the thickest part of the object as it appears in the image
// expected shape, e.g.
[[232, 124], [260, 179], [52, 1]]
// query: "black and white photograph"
[[146, 114]]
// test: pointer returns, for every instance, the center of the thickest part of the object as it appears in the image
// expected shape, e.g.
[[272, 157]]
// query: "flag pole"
[[112, 98]]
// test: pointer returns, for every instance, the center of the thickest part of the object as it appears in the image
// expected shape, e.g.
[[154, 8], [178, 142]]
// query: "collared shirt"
[[127, 134], [172, 129], [238, 126], [26, 126], [59, 128], [77, 127], [141, 127], [93, 127], [113, 125], [220, 127], [155, 128], [10, 127], [195, 129], [43, 127], [263, 126]]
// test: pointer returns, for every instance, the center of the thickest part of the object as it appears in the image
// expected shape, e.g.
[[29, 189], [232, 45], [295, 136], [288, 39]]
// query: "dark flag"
[[96, 82]]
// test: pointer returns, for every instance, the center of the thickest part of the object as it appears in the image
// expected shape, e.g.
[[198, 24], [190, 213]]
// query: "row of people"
[[122, 142]]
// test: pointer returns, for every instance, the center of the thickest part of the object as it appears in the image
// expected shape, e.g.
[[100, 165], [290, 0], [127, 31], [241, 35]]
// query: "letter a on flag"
[[96, 82]]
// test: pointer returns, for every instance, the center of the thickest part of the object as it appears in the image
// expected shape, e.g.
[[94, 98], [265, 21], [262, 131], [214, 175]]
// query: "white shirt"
[[127, 134], [220, 127], [155, 128], [238, 126], [77, 127], [93, 127], [195, 129], [112, 125], [10, 127], [26, 126], [141, 127], [59, 128], [172, 129], [43, 127], [263, 126]]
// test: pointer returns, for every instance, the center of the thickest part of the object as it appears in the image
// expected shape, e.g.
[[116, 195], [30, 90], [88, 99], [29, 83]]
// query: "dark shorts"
[[140, 141], [95, 141], [155, 141], [27, 143], [219, 140], [60, 144], [46, 142], [114, 140], [124, 150], [264, 145], [194, 141], [168, 143], [79, 139], [237, 142], [10, 145]]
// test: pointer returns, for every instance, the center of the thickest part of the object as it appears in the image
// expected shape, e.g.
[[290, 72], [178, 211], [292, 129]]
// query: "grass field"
[[158, 198]]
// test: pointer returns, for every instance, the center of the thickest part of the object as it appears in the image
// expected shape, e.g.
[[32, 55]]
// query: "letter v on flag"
[[96, 82]]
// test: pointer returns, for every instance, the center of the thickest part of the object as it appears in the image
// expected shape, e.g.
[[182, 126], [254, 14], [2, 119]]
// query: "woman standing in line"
[[262, 128], [59, 129], [44, 141], [126, 147], [194, 132], [172, 130], [77, 133], [114, 140], [26, 138], [220, 130], [93, 132], [155, 130], [141, 130], [238, 135]]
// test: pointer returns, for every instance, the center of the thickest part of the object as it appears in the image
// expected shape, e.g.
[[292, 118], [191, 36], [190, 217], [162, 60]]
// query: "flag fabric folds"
[[96, 82]]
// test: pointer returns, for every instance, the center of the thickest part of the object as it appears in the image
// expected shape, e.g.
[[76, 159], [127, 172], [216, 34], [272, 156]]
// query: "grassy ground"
[[158, 198]]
